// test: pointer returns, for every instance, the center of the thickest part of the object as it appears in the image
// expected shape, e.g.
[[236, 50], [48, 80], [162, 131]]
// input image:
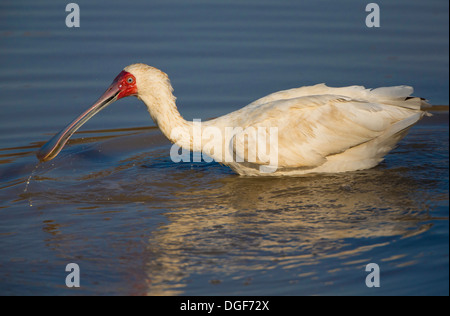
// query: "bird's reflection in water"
[[234, 224], [220, 227]]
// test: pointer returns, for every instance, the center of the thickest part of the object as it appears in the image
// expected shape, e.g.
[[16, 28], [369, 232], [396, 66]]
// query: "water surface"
[[139, 224]]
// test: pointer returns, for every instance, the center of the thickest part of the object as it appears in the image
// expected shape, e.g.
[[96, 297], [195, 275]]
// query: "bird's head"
[[134, 80]]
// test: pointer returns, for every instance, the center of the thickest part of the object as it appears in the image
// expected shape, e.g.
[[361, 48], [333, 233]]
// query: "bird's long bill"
[[52, 148]]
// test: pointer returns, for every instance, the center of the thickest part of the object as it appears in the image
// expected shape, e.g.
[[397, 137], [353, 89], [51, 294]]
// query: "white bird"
[[315, 129]]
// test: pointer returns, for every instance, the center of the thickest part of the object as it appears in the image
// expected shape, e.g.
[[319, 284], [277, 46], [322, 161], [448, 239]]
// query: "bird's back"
[[396, 95], [325, 129]]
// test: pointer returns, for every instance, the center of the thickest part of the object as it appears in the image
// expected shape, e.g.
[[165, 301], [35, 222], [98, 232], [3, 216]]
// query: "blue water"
[[136, 223]]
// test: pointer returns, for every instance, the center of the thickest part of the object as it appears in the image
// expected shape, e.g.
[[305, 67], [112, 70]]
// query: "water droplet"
[[29, 180]]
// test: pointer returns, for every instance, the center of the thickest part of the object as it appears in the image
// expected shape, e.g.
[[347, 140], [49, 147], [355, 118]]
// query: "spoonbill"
[[319, 129]]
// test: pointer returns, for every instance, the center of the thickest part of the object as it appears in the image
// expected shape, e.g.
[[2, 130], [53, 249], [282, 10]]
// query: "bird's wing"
[[310, 128], [397, 95]]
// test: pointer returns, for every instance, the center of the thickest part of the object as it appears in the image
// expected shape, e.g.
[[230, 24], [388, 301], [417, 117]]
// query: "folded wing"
[[311, 128]]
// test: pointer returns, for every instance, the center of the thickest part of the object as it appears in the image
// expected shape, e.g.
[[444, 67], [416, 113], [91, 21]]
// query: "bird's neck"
[[163, 110]]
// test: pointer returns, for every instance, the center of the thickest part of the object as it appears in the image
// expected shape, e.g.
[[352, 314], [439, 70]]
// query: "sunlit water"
[[137, 223]]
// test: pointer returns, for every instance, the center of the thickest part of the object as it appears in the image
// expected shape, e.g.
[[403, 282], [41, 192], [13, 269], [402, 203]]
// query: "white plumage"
[[324, 129], [319, 128]]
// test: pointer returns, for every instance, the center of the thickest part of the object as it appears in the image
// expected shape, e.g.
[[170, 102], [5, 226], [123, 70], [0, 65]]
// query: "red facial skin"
[[126, 83]]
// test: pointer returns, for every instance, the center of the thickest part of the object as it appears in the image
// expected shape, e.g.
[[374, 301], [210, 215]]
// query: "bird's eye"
[[130, 80]]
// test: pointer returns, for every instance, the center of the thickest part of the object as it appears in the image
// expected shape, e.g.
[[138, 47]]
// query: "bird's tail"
[[400, 96]]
